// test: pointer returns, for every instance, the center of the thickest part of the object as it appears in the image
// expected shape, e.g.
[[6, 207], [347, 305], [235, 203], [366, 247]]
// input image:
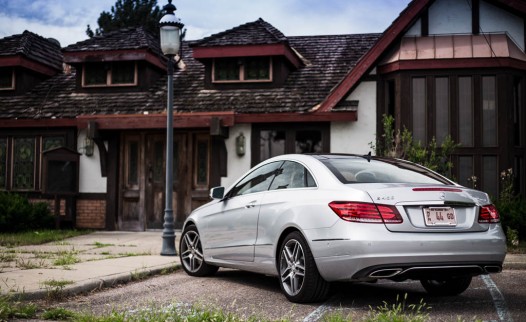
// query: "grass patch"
[[38, 237], [10, 309], [66, 258], [101, 245], [59, 314], [25, 263], [7, 257]]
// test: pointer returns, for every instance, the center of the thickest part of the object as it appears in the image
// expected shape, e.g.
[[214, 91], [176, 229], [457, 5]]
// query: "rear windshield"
[[360, 170]]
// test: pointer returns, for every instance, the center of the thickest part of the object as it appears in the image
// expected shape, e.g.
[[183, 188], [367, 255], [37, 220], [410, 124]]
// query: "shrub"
[[18, 214], [400, 144]]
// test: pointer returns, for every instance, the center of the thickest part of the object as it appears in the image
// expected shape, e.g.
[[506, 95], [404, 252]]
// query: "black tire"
[[191, 254], [299, 277], [447, 287]]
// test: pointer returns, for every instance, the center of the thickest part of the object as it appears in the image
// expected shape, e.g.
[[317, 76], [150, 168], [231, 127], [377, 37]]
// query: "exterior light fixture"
[[88, 146], [240, 144], [171, 27]]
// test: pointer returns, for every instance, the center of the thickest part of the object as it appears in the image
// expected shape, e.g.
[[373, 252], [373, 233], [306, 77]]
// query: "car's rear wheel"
[[191, 254], [299, 277], [447, 287]]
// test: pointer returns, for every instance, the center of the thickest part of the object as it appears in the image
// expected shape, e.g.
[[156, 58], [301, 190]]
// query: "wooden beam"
[[297, 117], [14, 123], [19, 61], [452, 64]]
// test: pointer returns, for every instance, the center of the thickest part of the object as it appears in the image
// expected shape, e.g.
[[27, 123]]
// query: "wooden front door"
[[143, 177]]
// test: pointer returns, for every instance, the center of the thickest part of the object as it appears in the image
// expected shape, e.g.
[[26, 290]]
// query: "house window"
[[3, 163], [248, 69], [441, 108], [419, 109], [7, 78], [489, 111], [21, 160], [23, 163], [465, 111], [273, 140], [518, 127], [490, 180], [465, 171], [110, 74]]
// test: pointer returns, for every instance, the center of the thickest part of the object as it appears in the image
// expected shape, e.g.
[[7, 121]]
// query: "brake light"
[[488, 215], [366, 212]]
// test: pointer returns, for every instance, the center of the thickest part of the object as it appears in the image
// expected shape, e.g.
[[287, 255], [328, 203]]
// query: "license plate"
[[440, 216]]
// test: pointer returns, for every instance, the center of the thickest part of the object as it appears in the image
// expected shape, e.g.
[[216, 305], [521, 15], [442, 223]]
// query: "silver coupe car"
[[314, 219]]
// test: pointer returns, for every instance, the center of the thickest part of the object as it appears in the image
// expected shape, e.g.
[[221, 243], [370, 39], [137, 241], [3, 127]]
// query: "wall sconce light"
[[88, 146], [240, 144]]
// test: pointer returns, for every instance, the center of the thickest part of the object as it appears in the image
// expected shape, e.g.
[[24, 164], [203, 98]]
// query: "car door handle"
[[251, 204]]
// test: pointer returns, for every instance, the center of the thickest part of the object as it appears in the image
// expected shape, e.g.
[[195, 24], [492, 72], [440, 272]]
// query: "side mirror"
[[217, 193]]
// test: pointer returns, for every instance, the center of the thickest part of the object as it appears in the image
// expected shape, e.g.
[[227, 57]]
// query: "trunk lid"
[[431, 208]]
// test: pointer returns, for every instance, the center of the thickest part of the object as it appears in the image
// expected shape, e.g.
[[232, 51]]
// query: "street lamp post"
[[171, 27]]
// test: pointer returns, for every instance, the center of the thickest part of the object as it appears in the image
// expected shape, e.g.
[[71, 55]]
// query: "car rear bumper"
[[375, 254]]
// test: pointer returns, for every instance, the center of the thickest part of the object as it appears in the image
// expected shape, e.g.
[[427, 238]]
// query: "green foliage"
[[129, 13], [400, 312], [58, 314], [18, 214], [400, 144], [37, 237], [511, 208], [10, 309]]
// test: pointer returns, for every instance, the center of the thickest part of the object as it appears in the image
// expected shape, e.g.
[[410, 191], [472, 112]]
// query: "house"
[[249, 93]]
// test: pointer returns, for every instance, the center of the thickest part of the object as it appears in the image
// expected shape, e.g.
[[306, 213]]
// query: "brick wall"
[[91, 214]]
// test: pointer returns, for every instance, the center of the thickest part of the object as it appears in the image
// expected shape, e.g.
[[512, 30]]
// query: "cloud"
[[66, 20]]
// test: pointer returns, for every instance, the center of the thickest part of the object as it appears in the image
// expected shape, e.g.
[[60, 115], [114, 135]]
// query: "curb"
[[97, 284]]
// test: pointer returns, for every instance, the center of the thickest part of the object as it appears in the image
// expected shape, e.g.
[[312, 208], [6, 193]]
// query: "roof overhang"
[[20, 61], [180, 120], [280, 49], [80, 57]]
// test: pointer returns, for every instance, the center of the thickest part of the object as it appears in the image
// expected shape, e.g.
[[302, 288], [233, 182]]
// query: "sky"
[[66, 20]]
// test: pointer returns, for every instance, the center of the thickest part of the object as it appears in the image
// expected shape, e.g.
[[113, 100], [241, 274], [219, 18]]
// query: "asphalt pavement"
[[102, 259]]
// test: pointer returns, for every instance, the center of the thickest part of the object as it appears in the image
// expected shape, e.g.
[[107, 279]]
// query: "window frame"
[[109, 74], [39, 139], [242, 62], [13, 80]]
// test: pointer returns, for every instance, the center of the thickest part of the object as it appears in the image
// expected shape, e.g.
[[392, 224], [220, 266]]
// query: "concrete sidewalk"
[[105, 259]]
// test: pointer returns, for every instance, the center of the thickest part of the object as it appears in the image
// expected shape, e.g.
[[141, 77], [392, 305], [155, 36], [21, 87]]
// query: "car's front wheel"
[[299, 277], [447, 287], [191, 254]]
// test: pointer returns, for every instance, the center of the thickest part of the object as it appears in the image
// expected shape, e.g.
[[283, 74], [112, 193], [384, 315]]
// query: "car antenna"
[[368, 157]]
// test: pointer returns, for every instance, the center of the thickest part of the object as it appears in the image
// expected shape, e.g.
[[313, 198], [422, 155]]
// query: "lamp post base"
[[168, 248]]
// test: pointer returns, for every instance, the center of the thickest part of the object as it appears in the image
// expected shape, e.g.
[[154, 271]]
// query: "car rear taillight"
[[366, 212], [488, 215]]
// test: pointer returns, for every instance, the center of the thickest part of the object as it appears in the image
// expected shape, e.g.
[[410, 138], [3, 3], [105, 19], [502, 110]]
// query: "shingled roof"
[[123, 39], [34, 47], [329, 59], [258, 32]]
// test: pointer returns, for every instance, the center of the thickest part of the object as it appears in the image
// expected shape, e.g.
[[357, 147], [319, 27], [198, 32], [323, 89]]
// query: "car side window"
[[256, 181], [292, 175]]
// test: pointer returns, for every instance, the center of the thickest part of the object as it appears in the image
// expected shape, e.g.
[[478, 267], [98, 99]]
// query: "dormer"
[[124, 60], [25, 60], [253, 55]]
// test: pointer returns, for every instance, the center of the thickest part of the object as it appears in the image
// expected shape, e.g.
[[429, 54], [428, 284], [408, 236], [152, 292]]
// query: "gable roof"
[[394, 32], [329, 58], [258, 32], [33, 47], [123, 39], [257, 38]]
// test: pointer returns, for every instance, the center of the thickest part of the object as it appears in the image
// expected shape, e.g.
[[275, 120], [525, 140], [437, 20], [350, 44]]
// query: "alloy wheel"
[[292, 267]]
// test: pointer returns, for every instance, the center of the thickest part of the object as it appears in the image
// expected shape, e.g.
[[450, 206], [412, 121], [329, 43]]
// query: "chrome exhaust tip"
[[385, 273]]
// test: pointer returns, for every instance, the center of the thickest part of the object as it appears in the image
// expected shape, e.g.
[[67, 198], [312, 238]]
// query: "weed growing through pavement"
[[55, 288], [101, 245], [66, 258], [27, 263]]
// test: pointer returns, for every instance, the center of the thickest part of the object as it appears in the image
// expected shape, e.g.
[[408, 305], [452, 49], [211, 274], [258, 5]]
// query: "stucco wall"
[[90, 179], [354, 137], [493, 19], [237, 165]]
